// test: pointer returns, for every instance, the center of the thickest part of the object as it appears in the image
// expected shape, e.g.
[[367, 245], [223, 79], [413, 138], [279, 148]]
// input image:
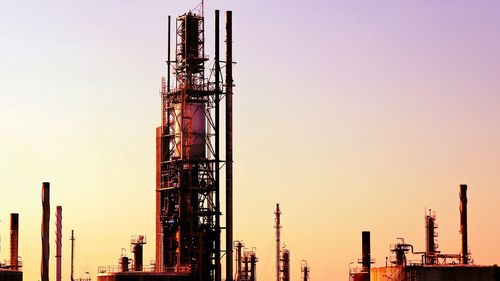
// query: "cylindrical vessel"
[[14, 241], [190, 131], [124, 264], [138, 254], [365, 255], [286, 265]]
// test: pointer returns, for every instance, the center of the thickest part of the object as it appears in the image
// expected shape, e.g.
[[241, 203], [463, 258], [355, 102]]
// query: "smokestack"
[[463, 223], [366, 255], [44, 270], [218, 274], [58, 242], [14, 241], [229, 146], [72, 238]]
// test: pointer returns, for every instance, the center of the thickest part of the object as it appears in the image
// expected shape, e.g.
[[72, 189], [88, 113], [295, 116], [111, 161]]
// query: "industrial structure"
[[431, 264], [58, 243], [11, 270], [282, 253], [246, 263], [44, 268], [188, 162]]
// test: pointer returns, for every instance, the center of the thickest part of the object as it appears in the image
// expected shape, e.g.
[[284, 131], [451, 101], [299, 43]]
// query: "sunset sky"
[[353, 115]]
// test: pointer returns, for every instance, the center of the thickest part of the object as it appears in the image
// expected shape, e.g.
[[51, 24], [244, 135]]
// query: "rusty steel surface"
[[58, 243], [14, 241], [44, 269], [229, 146]]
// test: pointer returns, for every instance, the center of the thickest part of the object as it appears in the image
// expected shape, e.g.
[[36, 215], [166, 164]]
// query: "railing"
[[105, 269], [7, 264]]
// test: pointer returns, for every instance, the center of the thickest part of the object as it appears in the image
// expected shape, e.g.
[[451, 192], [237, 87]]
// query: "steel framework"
[[188, 158]]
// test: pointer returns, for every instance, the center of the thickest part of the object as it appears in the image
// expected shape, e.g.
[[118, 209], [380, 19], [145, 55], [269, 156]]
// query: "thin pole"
[[72, 253], [168, 56], [217, 150], [229, 147], [58, 243], [278, 242]]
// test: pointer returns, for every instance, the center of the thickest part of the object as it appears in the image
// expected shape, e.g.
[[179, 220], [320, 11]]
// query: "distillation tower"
[[188, 231]]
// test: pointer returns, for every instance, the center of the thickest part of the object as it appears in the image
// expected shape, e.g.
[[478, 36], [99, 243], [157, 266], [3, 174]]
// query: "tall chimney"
[[229, 146], [463, 223], [58, 242], [14, 241], [366, 255], [44, 269]]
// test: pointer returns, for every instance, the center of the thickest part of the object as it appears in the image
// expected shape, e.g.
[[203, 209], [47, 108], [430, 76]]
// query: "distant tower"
[[137, 247], [188, 159], [463, 224], [72, 239], [430, 238], [278, 241], [44, 269], [58, 242]]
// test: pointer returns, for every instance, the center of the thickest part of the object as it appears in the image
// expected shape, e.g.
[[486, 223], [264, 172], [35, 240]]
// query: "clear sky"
[[354, 115]]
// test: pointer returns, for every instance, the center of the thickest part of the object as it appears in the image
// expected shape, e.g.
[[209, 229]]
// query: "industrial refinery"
[[194, 222], [431, 264]]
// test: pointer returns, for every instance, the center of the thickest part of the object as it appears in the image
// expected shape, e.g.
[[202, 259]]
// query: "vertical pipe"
[[253, 267], [366, 255], [159, 226], [14, 241], [44, 269], [463, 223], [168, 55], [278, 242], [229, 146], [72, 253], [58, 242], [217, 150], [239, 246]]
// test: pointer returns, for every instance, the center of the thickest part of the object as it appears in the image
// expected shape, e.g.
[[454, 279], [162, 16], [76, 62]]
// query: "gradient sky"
[[354, 115]]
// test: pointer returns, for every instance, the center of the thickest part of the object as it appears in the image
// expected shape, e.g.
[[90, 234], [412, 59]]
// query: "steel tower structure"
[[188, 156]]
